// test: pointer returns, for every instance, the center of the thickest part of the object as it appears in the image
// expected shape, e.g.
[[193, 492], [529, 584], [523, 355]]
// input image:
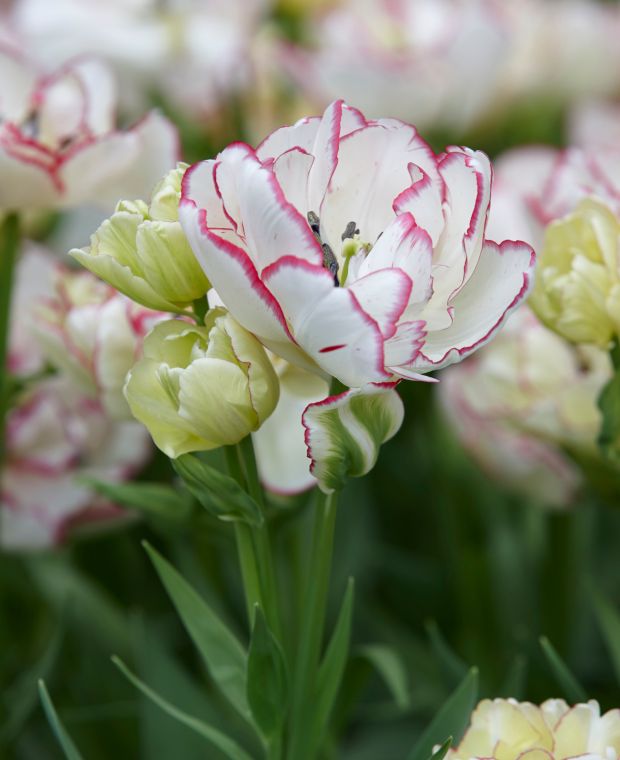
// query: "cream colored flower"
[[524, 400], [577, 288], [197, 388], [142, 251], [505, 729]]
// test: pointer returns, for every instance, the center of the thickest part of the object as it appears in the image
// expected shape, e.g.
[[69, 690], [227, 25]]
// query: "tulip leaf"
[[513, 682], [224, 743], [66, 742], [218, 493], [451, 664], [391, 668], [609, 404], [334, 661], [452, 718], [609, 623], [222, 652], [571, 687], [267, 678], [155, 499], [442, 751]]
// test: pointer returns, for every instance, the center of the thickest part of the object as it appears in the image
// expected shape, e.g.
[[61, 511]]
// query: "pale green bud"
[[197, 388], [142, 251], [577, 288]]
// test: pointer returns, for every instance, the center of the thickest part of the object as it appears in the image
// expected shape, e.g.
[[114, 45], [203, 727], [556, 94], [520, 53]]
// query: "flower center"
[[351, 246]]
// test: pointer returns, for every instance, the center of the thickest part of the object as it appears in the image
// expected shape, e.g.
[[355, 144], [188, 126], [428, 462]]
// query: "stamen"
[[330, 262], [349, 231]]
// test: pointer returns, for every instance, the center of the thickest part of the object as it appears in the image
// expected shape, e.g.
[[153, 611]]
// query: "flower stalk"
[[9, 247]]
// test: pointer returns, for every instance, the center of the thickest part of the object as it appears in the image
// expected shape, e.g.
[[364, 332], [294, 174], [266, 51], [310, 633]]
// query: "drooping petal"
[[344, 432]]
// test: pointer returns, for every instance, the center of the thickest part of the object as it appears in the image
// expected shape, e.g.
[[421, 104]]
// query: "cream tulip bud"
[[197, 388], [577, 289], [142, 251]]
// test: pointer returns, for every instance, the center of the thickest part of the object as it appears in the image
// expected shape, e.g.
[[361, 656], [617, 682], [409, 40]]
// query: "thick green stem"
[[311, 636], [9, 247], [262, 541], [245, 544]]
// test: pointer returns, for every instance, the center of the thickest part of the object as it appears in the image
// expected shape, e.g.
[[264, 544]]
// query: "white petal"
[[498, 285], [384, 295], [280, 446]]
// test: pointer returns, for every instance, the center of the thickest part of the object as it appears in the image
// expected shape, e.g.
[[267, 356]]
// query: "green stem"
[[261, 540], [245, 544], [614, 353], [311, 636], [9, 247]]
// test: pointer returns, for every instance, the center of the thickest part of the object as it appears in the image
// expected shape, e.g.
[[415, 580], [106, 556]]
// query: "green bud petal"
[[198, 388], [344, 433], [165, 199]]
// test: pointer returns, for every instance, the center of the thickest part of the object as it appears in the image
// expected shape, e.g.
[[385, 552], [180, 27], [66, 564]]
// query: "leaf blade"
[[220, 649], [573, 690], [224, 743], [63, 738]]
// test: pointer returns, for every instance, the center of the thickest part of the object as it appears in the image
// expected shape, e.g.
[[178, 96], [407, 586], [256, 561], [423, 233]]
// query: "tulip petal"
[[383, 295], [479, 310], [292, 170], [423, 201], [281, 452], [408, 247], [327, 321], [344, 432]]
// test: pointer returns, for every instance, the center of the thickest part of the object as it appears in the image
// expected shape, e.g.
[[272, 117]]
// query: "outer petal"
[[121, 164], [498, 285], [383, 295], [344, 432], [328, 322], [281, 452]]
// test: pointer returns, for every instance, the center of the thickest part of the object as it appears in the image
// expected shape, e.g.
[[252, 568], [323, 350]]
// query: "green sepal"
[[218, 493], [267, 678]]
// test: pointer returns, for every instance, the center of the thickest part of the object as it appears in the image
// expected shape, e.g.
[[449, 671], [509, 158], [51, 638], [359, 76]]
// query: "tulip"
[[577, 291], [350, 249], [197, 388], [141, 250], [507, 729], [524, 403], [93, 335], [54, 435], [58, 142]]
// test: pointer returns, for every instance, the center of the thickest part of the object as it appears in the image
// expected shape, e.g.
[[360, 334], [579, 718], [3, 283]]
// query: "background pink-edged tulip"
[[54, 435], [59, 145], [349, 248]]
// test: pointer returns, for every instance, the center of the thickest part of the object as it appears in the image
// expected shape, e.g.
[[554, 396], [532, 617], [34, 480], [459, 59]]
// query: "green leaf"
[[391, 668], [267, 678], [514, 680], [155, 499], [451, 664], [452, 718], [573, 690], [21, 697], [609, 623], [218, 493], [443, 750], [224, 743], [334, 661], [220, 649], [609, 404], [65, 741]]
